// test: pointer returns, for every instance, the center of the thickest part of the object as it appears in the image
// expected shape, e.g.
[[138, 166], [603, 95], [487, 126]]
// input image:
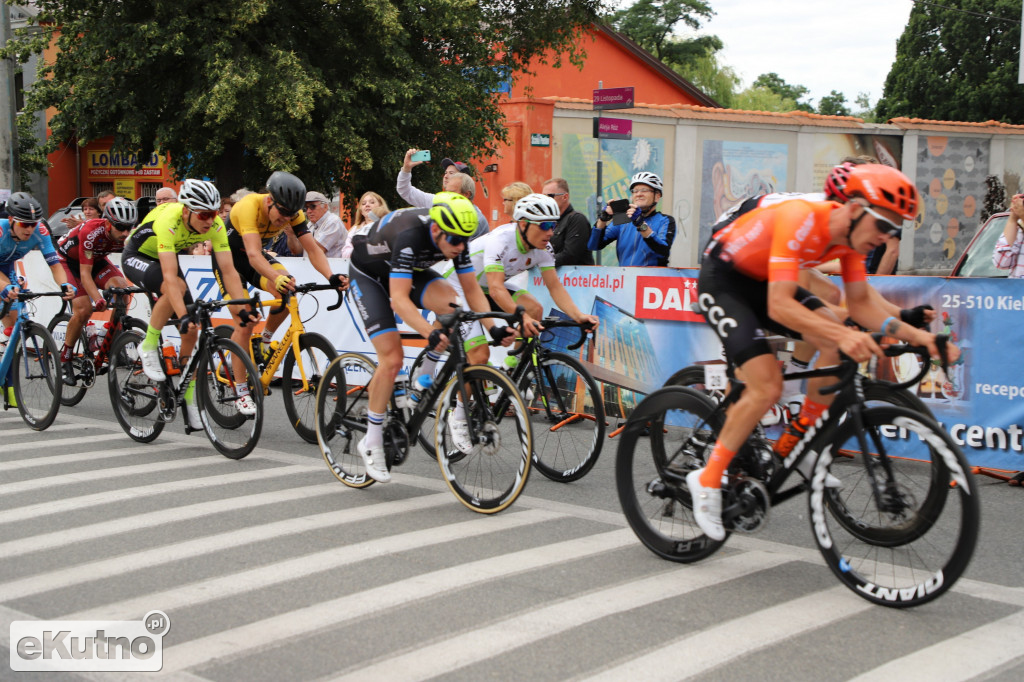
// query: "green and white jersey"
[[502, 250]]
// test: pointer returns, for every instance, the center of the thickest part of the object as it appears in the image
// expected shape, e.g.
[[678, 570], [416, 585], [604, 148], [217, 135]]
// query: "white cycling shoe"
[[152, 364], [707, 506], [246, 405], [459, 430], [374, 461]]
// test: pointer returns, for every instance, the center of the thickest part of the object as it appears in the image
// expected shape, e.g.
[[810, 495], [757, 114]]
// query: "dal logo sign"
[[667, 298], [90, 645]]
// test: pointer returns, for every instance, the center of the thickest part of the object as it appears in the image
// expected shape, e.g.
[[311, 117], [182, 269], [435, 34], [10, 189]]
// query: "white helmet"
[[199, 195], [644, 178], [536, 207], [121, 212]]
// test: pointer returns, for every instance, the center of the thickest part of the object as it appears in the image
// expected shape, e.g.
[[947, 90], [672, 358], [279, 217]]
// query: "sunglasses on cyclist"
[[546, 226], [884, 225], [205, 215], [120, 227], [25, 225], [283, 212], [456, 239]]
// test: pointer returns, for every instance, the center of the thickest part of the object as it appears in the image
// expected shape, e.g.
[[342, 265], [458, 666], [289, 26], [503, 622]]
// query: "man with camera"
[[643, 235], [456, 179]]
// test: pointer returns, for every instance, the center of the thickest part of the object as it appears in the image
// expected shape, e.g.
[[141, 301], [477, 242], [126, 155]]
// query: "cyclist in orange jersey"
[[748, 289]]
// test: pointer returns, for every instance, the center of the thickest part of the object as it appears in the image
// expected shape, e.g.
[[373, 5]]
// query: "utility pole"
[[9, 174]]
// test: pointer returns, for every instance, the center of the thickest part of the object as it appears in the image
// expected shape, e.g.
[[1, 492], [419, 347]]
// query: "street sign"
[[540, 140], [613, 98], [613, 128]]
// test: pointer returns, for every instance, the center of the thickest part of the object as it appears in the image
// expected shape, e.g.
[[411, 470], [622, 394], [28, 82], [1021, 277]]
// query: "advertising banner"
[[649, 331]]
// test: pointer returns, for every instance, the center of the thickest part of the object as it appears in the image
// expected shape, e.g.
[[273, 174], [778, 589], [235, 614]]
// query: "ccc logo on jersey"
[[716, 316]]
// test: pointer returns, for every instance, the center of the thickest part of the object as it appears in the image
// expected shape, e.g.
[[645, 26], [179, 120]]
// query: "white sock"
[[374, 430]]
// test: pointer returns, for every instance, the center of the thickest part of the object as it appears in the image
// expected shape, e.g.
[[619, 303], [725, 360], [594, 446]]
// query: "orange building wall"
[[526, 113]]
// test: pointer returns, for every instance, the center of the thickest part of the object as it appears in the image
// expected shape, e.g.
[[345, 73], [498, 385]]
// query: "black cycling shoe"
[[69, 374]]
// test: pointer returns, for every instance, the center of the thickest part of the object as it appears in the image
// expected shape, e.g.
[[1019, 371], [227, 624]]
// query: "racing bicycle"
[[143, 407], [565, 404], [488, 478], [899, 531], [30, 364], [90, 364]]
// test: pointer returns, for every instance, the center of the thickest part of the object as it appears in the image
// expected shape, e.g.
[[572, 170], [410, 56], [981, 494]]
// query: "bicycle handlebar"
[[25, 295], [305, 289], [450, 320], [848, 366]]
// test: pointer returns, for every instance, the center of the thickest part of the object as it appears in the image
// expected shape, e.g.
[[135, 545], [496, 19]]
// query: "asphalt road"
[[269, 569]]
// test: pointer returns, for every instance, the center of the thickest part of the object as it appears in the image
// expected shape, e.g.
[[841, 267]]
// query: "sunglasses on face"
[[119, 227], [25, 225], [284, 212], [311, 206], [557, 194], [884, 225], [547, 225], [205, 215], [456, 239]]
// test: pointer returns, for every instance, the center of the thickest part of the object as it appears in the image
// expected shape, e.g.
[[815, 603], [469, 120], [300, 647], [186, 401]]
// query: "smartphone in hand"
[[618, 208], [421, 155]]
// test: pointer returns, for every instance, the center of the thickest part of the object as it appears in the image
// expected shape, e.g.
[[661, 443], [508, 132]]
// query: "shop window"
[[148, 189], [98, 187]]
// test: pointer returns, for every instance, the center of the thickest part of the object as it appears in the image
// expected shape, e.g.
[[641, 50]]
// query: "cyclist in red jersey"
[[748, 288]]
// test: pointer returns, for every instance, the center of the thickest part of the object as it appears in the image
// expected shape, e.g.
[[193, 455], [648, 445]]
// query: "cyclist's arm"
[[59, 276], [232, 282], [864, 311], [254, 250], [562, 298], [784, 308], [317, 257]]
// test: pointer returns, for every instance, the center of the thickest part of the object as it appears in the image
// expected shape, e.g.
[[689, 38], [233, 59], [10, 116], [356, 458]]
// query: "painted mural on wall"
[[1013, 168], [621, 159], [733, 171], [831, 148], [951, 178]]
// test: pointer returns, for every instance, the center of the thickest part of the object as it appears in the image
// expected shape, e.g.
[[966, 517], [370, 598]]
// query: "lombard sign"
[[107, 163], [613, 98]]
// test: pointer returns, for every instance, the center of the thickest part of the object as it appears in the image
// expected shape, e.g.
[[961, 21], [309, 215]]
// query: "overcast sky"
[[824, 45]]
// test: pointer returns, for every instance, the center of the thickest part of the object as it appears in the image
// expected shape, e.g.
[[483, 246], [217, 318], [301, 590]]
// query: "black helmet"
[[287, 191], [23, 206]]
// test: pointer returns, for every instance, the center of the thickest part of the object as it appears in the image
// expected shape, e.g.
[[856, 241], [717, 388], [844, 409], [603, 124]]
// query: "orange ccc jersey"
[[775, 242]]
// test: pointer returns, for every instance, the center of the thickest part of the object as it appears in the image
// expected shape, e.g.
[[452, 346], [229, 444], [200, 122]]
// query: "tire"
[[567, 417], [490, 477], [300, 403], [71, 395], [650, 472], [341, 403], [134, 396], [233, 434], [429, 426], [37, 382], [915, 551]]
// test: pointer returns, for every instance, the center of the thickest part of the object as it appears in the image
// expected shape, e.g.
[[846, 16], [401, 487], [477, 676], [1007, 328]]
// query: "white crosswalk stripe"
[[554, 572]]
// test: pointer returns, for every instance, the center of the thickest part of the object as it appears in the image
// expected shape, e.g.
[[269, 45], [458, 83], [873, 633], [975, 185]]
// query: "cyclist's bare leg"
[[762, 390]]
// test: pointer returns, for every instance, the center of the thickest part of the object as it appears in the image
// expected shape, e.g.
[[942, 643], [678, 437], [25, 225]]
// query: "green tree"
[[760, 98], [652, 24], [951, 65], [773, 82], [332, 91], [834, 104], [713, 78], [865, 110]]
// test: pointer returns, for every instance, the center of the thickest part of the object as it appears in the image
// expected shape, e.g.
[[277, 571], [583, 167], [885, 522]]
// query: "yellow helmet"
[[454, 213]]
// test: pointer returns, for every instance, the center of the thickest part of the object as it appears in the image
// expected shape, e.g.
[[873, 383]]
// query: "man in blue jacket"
[[647, 239]]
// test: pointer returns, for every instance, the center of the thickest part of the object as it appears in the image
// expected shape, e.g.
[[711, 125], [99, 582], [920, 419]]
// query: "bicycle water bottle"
[[90, 334], [402, 389], [419, 386], [171, 361], [98, 336]]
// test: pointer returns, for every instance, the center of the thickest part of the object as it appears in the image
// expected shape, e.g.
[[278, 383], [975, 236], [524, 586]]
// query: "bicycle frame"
[[17, 333]]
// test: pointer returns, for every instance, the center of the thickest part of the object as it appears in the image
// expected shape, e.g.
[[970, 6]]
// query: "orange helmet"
[[883, 187]]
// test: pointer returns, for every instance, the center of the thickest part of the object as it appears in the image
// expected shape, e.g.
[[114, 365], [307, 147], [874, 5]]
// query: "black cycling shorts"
[[145, 271], [736, 307], [372, 295]]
